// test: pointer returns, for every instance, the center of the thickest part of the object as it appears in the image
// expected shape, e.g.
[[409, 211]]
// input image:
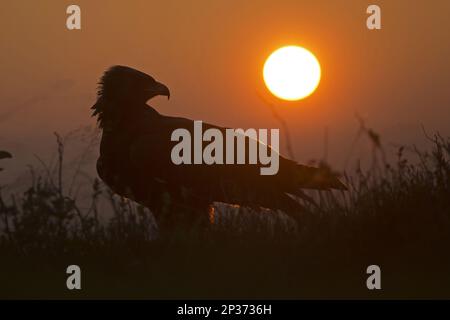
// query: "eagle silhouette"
[[135, 159]]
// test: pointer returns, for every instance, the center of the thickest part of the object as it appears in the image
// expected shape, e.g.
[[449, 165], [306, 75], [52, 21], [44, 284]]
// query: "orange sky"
[[211, 53]]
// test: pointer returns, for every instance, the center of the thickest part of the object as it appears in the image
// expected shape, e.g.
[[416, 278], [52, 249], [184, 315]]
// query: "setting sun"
[[292, 73]]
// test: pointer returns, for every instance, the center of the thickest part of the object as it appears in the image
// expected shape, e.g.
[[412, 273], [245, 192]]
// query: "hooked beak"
[[160, 89], [5, 155]]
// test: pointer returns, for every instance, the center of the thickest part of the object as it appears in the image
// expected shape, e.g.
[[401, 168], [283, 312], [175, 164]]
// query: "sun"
[[292, 73]]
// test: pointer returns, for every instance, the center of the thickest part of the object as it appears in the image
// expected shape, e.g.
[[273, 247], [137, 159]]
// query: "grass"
[[394, 215]]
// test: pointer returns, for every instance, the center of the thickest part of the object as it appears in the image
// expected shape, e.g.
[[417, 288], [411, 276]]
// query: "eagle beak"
[[160, 89], [5, 154]]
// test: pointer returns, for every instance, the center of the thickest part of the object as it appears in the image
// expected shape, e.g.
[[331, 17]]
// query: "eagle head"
[[121, 85]]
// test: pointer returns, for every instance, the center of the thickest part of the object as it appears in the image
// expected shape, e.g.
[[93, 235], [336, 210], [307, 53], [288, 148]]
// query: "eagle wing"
[[150, 156]]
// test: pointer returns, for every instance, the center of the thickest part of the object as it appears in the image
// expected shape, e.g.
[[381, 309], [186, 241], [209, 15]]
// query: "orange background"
[[211, 53]]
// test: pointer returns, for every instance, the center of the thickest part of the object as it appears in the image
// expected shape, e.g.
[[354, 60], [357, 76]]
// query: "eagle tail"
[[321, 178]]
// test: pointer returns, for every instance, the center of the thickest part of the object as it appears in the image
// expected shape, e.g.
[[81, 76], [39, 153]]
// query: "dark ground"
[[395, 216]]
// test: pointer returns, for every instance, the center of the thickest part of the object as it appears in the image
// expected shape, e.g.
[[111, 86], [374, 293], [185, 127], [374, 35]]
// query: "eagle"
[[135, 159]]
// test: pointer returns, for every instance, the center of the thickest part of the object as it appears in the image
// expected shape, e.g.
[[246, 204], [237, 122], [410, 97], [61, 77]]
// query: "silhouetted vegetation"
[[394, 215]]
